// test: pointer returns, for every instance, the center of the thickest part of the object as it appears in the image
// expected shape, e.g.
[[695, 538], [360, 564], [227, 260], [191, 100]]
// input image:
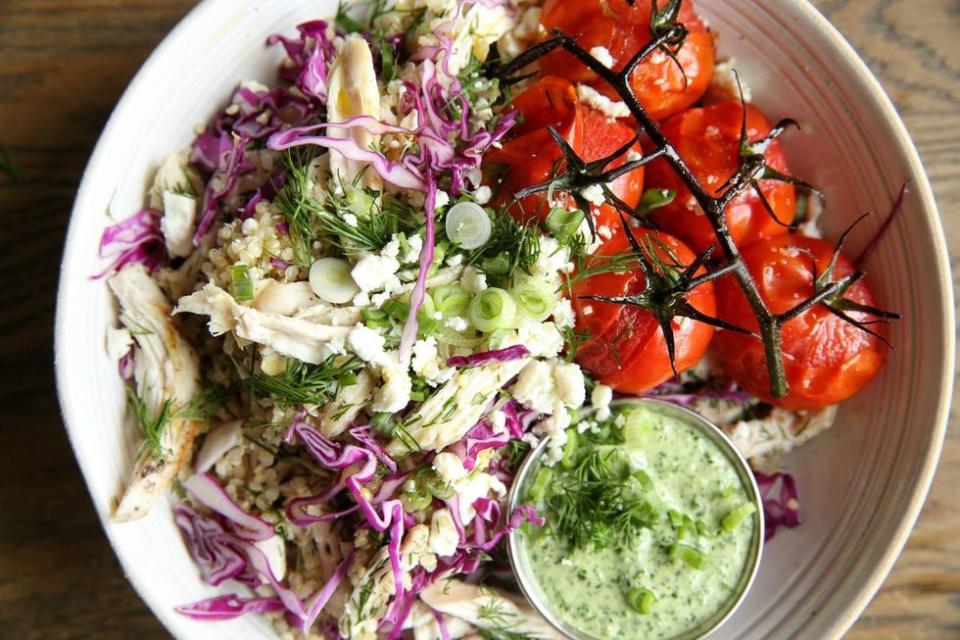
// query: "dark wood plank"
[[64, 64]]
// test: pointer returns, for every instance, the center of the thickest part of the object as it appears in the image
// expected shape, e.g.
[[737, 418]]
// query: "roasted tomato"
[[531, 156], [663, 87], [708, 139], [827, 359], [627, 349]]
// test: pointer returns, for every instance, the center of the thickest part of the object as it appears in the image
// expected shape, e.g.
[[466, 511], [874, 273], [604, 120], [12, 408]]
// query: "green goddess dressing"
[[651, 532]]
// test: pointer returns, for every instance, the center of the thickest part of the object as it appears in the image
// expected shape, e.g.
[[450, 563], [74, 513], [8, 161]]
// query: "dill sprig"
[[152, 426], [513, 247], [352, 219], [293, 200], [600, 502], [302, 383], [494, 621]]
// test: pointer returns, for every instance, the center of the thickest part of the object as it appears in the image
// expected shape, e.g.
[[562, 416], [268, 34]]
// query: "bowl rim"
[[861, 74]]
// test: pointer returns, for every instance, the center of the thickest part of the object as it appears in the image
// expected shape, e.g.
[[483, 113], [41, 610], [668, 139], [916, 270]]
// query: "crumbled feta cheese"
[[594, 195], [569, 382], [351, 219], [593, 98], [362, 299], [455, 260], [605, 232], [413, 253], [603, 56], [456, 323], [368, 344], [477, 485], [394, 395], [473, 280], [426, 361], [442, 199], [498, 421], [444, 537], [482, 195], [179, 216], [542, 339], [588, 310], [535, 388], [600, 399], [374, 273], [449, 467], [563, 314], [633, 155], [723, 83], [392, 248], [554, 427]]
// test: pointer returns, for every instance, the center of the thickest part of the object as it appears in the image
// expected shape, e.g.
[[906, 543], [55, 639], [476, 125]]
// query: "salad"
[[452, 231]]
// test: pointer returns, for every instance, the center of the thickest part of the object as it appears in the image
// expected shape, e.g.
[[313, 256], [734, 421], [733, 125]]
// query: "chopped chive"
[[733, 519], [242, 283], [691, 556], [540, 482], [641, 600]]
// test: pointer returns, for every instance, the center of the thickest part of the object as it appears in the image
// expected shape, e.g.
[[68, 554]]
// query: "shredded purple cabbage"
[[136, 240], [208, 491], [516, 352], [483, 436], [223, 184], [676, 393], [230, 607], [311, 56], [780, 508]]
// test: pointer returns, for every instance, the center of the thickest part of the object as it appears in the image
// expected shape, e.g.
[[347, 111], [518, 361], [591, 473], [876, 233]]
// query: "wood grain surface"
[[64, 64]]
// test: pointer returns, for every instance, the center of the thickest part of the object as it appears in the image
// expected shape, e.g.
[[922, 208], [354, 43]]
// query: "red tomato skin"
[[708, 139], [662, 88], [827, 360], [529, 157], [628, 351]]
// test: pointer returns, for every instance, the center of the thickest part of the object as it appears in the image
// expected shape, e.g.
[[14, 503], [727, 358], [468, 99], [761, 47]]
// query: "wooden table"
[[63, 65]]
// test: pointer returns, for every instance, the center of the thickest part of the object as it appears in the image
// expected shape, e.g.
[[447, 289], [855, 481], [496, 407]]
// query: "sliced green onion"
[[538, 490], [498, 265], [451, 300], [359, 201], [637, 427], [691, 556], [733, 519], [535, 299], [563, 223], [438, 488], [570, 449], [654, 199], [439, 254], [448, 336], [468, 225], [242, 283], [347, 379], [375, 318], [641, 600], [493, 309], [416, 501], [330, 279]]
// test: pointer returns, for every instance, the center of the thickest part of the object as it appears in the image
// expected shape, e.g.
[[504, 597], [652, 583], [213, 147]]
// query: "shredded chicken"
[[455, 408], [371, 596], [304, 340], [487, 608], [165, 369]]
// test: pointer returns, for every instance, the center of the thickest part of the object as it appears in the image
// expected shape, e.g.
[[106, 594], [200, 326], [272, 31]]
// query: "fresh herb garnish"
[[512, 248], [152, 426], [302, 383]]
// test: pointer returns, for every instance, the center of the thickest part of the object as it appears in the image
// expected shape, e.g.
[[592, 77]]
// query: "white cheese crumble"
[[351, 219], [375, 273], [473, 280], [569, 383], [593, 98], [368, 344], [483, 195], [602, 54], [444, 538], [600, 399], [449, 467], [563, 314], [442, 199], [456, 323], [594, 195], [179, 215]]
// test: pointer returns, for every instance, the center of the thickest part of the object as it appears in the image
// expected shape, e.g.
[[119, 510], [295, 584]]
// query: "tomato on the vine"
[[826, 358], [530, 156], [663, 85], [708, 140], [627, 349]]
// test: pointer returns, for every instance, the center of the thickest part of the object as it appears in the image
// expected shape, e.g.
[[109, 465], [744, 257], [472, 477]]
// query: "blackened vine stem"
[[714, 207]]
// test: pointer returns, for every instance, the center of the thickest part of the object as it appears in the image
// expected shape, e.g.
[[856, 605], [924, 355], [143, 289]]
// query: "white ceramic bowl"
[[862, 484]]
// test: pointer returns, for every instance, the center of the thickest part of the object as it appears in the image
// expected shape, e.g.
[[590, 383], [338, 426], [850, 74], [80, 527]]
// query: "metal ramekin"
[[528, 584]]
